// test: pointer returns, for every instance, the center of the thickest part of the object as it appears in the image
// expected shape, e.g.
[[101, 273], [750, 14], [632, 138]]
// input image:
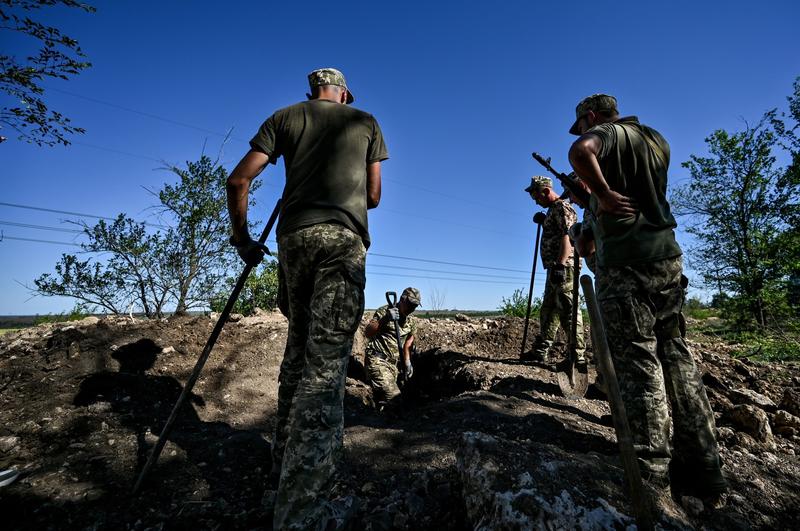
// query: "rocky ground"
[[486, 442]]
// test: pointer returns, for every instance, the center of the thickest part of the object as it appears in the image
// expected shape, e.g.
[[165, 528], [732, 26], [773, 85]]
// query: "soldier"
[[557, 259], [333, 155], [580, 233], [382, 356], [640, 289]]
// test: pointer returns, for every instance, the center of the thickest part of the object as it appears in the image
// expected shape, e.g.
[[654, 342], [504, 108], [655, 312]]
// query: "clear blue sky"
[[464, 91]]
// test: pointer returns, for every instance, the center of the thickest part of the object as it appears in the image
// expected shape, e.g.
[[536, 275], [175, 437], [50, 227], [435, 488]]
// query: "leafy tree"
[[196, 251], [58, 57], [260, 291], [182, 264], [738, 203]]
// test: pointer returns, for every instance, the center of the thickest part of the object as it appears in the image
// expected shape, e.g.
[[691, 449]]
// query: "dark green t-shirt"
[[326, 147], [634, 159]]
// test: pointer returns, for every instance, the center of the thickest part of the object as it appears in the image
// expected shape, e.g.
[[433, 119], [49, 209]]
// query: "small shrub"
[[516, 305], [76, 314]]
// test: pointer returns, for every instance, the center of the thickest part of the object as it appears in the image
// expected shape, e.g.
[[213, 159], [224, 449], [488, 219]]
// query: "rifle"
[[569, 182]]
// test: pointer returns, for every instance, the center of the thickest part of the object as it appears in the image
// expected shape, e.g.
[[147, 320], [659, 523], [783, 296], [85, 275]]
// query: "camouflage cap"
[[538, 182], [595, 102], [329, 76], [412, 295]]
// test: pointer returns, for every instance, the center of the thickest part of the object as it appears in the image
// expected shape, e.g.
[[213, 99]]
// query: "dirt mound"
[[485, 442]]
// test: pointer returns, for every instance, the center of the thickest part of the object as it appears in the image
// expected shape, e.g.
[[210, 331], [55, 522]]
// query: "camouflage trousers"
[[382, 373], [323, 271], [641, 307], [557, 309]]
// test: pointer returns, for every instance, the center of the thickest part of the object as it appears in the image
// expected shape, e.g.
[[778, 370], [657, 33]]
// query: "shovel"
[[642, 508], [573, 380], [391, 298], [201, 361], [538, 220]]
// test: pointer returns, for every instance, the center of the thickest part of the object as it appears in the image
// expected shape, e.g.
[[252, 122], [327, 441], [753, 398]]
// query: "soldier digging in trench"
[[382, 360]]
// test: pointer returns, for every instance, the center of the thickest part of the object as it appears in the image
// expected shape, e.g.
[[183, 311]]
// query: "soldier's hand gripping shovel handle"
[[187, 389], [639, 500], [391, 298], [530, 290]]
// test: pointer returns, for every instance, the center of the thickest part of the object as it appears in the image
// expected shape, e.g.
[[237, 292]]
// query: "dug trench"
[[484, 441]]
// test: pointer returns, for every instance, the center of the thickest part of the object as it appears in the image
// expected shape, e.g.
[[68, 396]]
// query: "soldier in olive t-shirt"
[[332, 154], [634, 159], [323, 146], [640, 291]]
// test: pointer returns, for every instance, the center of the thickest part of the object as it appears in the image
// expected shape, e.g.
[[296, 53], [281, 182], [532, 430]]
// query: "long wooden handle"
[[530, 290], [639, 500], [201, 361]]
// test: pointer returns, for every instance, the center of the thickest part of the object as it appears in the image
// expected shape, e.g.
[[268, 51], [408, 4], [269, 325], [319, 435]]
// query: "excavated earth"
[[485, 441]]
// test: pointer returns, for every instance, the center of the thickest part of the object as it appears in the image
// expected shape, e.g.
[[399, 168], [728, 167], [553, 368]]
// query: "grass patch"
[[767, 347], [4, 331]]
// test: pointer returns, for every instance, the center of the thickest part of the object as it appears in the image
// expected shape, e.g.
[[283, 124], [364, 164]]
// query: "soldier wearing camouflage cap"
[[557, 259], [641, 290], [382, 360], [332, 153]]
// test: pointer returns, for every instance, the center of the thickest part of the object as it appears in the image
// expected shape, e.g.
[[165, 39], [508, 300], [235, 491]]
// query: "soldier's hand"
[[559, 273], [539, 218], [409, 370], [250, 251], [611, 202], [393, 313]]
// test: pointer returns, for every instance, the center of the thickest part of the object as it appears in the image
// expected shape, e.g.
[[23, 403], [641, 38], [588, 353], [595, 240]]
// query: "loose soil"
[[82, 403]]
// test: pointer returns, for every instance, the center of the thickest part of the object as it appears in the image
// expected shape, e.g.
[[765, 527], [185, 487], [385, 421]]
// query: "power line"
[[4, 237], [453, 279], [444, 272], [217, 133], [41, 227], [80, 215], [145, 114], [373, 254], [448, 263]]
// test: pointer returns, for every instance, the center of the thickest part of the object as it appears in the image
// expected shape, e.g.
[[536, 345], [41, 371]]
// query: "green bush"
[[260, 291], [75, 314], [516, 305], [769, 347]]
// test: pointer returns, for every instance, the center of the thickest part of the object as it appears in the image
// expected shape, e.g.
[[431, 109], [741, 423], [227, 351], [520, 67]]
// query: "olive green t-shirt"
[[326, 147], [634, 159], [385, 341]]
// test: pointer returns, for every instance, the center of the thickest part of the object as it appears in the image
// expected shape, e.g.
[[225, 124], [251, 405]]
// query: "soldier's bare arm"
[[373, 184], [566, 250], [238, 188], [407, 348], [583, 157]]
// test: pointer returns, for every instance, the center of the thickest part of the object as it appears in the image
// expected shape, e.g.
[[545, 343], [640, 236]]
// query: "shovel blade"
[[572, 381]]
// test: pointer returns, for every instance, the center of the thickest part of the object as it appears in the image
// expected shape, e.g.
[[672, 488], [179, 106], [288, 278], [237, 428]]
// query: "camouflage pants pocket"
[[629, 323], [283, 295], [348, 304]]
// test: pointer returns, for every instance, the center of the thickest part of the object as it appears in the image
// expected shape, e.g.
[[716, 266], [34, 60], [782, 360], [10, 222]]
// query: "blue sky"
[[464, 91]]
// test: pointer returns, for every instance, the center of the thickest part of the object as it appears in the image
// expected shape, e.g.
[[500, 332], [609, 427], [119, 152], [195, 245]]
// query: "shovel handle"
[[391, 298]]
